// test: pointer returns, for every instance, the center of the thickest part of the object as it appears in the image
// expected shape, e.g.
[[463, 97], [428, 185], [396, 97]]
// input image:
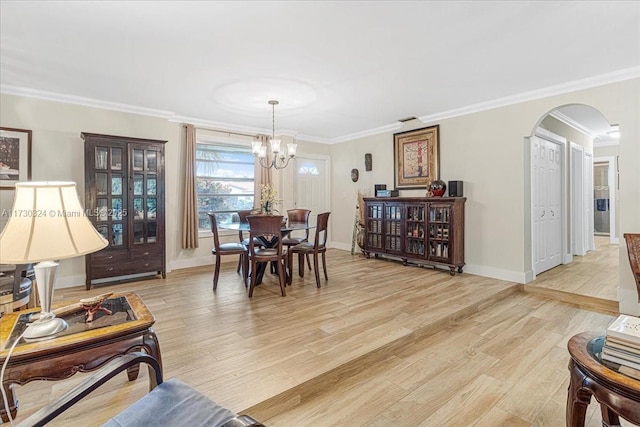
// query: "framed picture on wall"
[[15, 157], [416, 157]]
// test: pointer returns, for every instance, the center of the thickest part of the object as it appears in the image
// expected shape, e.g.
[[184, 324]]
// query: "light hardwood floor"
[[379, 344], [594, 275]]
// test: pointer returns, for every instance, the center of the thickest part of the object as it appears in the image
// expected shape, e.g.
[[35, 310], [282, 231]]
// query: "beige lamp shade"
[[47, 222]]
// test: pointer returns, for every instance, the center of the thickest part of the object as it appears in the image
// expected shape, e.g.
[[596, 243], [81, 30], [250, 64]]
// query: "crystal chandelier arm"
[[266, 166], [283, 161]]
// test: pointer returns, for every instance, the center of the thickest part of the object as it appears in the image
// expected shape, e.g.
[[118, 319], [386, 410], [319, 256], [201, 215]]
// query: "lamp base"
[[45, 328]]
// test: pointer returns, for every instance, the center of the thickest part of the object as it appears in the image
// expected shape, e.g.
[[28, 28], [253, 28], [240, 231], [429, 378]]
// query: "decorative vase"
[[438, 188]]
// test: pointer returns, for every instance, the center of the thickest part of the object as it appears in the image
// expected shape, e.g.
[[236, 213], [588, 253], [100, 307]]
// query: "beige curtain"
[[264, 174], [190, 206]]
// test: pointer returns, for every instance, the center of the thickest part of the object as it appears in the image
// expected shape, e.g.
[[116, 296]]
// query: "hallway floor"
[[592, 275]]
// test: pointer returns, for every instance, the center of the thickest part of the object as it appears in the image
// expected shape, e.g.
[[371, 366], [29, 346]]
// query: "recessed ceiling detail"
[[251, 96]]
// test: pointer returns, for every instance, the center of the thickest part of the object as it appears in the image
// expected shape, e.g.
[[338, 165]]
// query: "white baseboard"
[[197, 262], [342, 246], [70, 281], [567, 258], [529, 276], [496, 273], [628, 301]]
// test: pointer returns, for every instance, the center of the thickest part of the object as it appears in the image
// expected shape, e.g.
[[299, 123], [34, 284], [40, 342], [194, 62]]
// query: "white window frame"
[[228, 141]]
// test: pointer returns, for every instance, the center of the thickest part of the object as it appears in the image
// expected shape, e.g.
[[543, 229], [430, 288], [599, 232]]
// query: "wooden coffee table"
[[81, 348], [618, 394]]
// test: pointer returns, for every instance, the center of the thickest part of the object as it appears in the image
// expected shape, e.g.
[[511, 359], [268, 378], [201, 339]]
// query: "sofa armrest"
[[104, 374]]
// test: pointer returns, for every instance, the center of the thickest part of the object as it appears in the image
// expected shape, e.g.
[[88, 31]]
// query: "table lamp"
[[47, 223]]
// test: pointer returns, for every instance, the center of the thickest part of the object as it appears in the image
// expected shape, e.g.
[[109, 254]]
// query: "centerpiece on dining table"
[[268, 199]]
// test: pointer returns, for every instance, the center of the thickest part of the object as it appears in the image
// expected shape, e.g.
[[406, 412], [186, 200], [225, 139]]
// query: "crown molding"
[[601, 80], [249, 130], [85, 102], [376, 131], [218, 126], [570, 122]]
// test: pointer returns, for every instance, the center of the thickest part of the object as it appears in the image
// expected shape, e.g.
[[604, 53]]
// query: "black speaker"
[[455, 188], [377, 187]]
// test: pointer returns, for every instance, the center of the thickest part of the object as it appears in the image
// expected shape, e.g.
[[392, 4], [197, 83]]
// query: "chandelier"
[[280, 158]]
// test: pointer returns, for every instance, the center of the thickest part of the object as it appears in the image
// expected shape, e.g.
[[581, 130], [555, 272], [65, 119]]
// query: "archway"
[[564, 254]]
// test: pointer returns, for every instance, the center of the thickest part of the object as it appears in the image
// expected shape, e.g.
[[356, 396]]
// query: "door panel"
[[311, 186], [547, 198]]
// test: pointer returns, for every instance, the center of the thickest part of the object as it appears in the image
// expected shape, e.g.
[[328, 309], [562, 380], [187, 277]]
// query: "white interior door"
[[578, 240], [547, 161], [587, 191]]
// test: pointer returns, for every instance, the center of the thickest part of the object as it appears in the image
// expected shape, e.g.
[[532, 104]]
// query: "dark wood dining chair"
[[633, 250], [266, 229], [242, 217], [298, 215], [318, 246], [226, 249]]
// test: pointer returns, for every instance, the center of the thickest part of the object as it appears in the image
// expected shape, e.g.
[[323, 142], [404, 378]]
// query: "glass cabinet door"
[[109, 212], [144, 194], [415, 233], [439, 227], [393, 227], [374, 225]]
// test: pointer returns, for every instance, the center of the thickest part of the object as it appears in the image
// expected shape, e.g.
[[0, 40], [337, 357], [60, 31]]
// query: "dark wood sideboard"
[[425, 230]]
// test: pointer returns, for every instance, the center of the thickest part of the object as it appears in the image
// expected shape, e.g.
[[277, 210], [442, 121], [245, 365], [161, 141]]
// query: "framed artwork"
[[416, 157], [15, 157]]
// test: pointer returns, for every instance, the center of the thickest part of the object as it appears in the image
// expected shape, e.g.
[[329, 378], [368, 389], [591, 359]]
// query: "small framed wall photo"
[[15, 157], [416, 157]]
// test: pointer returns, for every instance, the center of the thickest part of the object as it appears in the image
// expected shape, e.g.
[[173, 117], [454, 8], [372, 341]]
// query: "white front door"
[[311, 185], [547, 204]]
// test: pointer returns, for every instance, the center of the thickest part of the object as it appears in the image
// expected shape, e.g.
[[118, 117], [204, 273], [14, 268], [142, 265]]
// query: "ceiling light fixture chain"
[[280, 159]]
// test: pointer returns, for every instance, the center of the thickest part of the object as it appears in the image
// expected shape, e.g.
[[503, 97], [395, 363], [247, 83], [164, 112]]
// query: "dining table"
[[287, 227]]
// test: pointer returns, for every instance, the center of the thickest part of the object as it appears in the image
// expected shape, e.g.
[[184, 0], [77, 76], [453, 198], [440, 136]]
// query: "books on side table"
[[621, 349]]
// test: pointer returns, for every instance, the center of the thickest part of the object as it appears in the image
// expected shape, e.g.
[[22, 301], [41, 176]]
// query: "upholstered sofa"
[[170, 403]]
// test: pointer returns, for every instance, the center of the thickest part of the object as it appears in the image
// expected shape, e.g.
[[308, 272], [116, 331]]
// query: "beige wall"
[[487, 150], [58, 152], [571, 134]]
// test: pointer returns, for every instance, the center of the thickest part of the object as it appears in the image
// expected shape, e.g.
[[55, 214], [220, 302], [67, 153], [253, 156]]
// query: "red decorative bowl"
[[438, 188]]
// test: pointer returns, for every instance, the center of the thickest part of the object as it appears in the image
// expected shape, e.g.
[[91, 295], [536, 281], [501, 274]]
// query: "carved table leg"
[[151, 346], [609, 418], [132, 372], [577, 398], [13, 403]]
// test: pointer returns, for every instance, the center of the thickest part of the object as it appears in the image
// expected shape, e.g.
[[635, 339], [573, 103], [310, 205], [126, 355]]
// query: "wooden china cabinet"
[[124, 198], [418, 229]]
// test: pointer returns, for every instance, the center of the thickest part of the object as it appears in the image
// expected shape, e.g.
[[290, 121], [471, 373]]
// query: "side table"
[[81, 348], [617, 394]]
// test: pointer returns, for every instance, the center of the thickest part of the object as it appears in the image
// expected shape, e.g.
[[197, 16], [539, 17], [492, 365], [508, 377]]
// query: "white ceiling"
[[339, 69]]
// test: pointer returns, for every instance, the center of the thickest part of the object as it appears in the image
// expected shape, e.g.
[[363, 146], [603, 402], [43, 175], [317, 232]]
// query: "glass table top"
[[119, 306], [594, 349]]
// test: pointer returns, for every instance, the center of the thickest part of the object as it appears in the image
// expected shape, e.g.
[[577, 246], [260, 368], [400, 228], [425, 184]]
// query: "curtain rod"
[[226, 131]]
